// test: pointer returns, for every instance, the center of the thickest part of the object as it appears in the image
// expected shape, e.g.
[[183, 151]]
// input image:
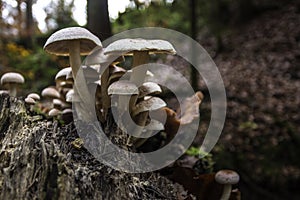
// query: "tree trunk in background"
[[98, 18], [29, 32], [19, 19]]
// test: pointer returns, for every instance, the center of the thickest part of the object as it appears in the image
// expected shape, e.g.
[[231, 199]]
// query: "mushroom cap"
[[34, 96], [57, 102], [127, 46], [155, 125], [57, 43], [149, 88], [98, 57], [72, 97], [50, 92], [152, 103], [62, 74], [29, 100], [227, 177], [4, 92], [12, 77], [123, 87], [67, 111], [54, 112]]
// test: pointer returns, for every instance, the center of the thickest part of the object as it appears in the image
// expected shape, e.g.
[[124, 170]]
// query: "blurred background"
[[255, 44]]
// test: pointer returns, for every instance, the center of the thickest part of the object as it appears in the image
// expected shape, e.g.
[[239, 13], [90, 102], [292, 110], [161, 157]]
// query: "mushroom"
[[67, 115], [29, 101], [149, 88], [54, 112], [11, 80], [49, 94], [150, 104], [227, 178], [61, 76], [74, 42], [106, 62], [4, 92], [140, 48], [123, 88], [34, 96]]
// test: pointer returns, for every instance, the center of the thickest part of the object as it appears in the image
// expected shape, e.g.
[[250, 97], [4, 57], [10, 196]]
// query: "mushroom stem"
[[226, 192], [138, 75], [12, 88], [79, 79], [74, 57], [104, 92]]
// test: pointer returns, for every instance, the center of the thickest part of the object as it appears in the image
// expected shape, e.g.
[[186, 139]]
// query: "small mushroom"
[[152, 103], [61, 76], [227, 178], [34, 96], [124, 89], [29, 101], [4, 92], [54, 112], [72, 97], [49, 94], [149, 88], [11, 80]]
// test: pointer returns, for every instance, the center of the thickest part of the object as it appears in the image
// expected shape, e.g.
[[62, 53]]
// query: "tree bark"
[[41, 159]]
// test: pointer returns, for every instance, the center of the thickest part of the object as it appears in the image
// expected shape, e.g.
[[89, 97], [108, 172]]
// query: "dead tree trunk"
[[39, 159]]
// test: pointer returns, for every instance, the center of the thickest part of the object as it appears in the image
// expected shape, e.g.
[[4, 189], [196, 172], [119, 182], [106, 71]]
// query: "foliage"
[[59, 15], [36, 66], [156, 14]]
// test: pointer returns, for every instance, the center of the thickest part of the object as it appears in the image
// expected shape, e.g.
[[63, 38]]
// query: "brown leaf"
[[190, 108]]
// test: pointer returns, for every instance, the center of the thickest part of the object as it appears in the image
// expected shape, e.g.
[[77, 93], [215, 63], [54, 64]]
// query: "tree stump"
[[40, 159]]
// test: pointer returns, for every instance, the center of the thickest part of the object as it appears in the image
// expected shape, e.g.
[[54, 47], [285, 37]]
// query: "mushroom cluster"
[[103, 73]]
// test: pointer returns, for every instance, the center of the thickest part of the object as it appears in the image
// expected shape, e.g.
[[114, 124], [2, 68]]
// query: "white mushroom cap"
[[50, 92], [57, 43], [12, 77], [149, 88], [155, 125], [72, 97], [126, 46], [153, 103], [123, 87], [67, 111], [29, 101], [4, 92], [54, 112], [57, 102], [227, 177], [34, 96], [62, 74]]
